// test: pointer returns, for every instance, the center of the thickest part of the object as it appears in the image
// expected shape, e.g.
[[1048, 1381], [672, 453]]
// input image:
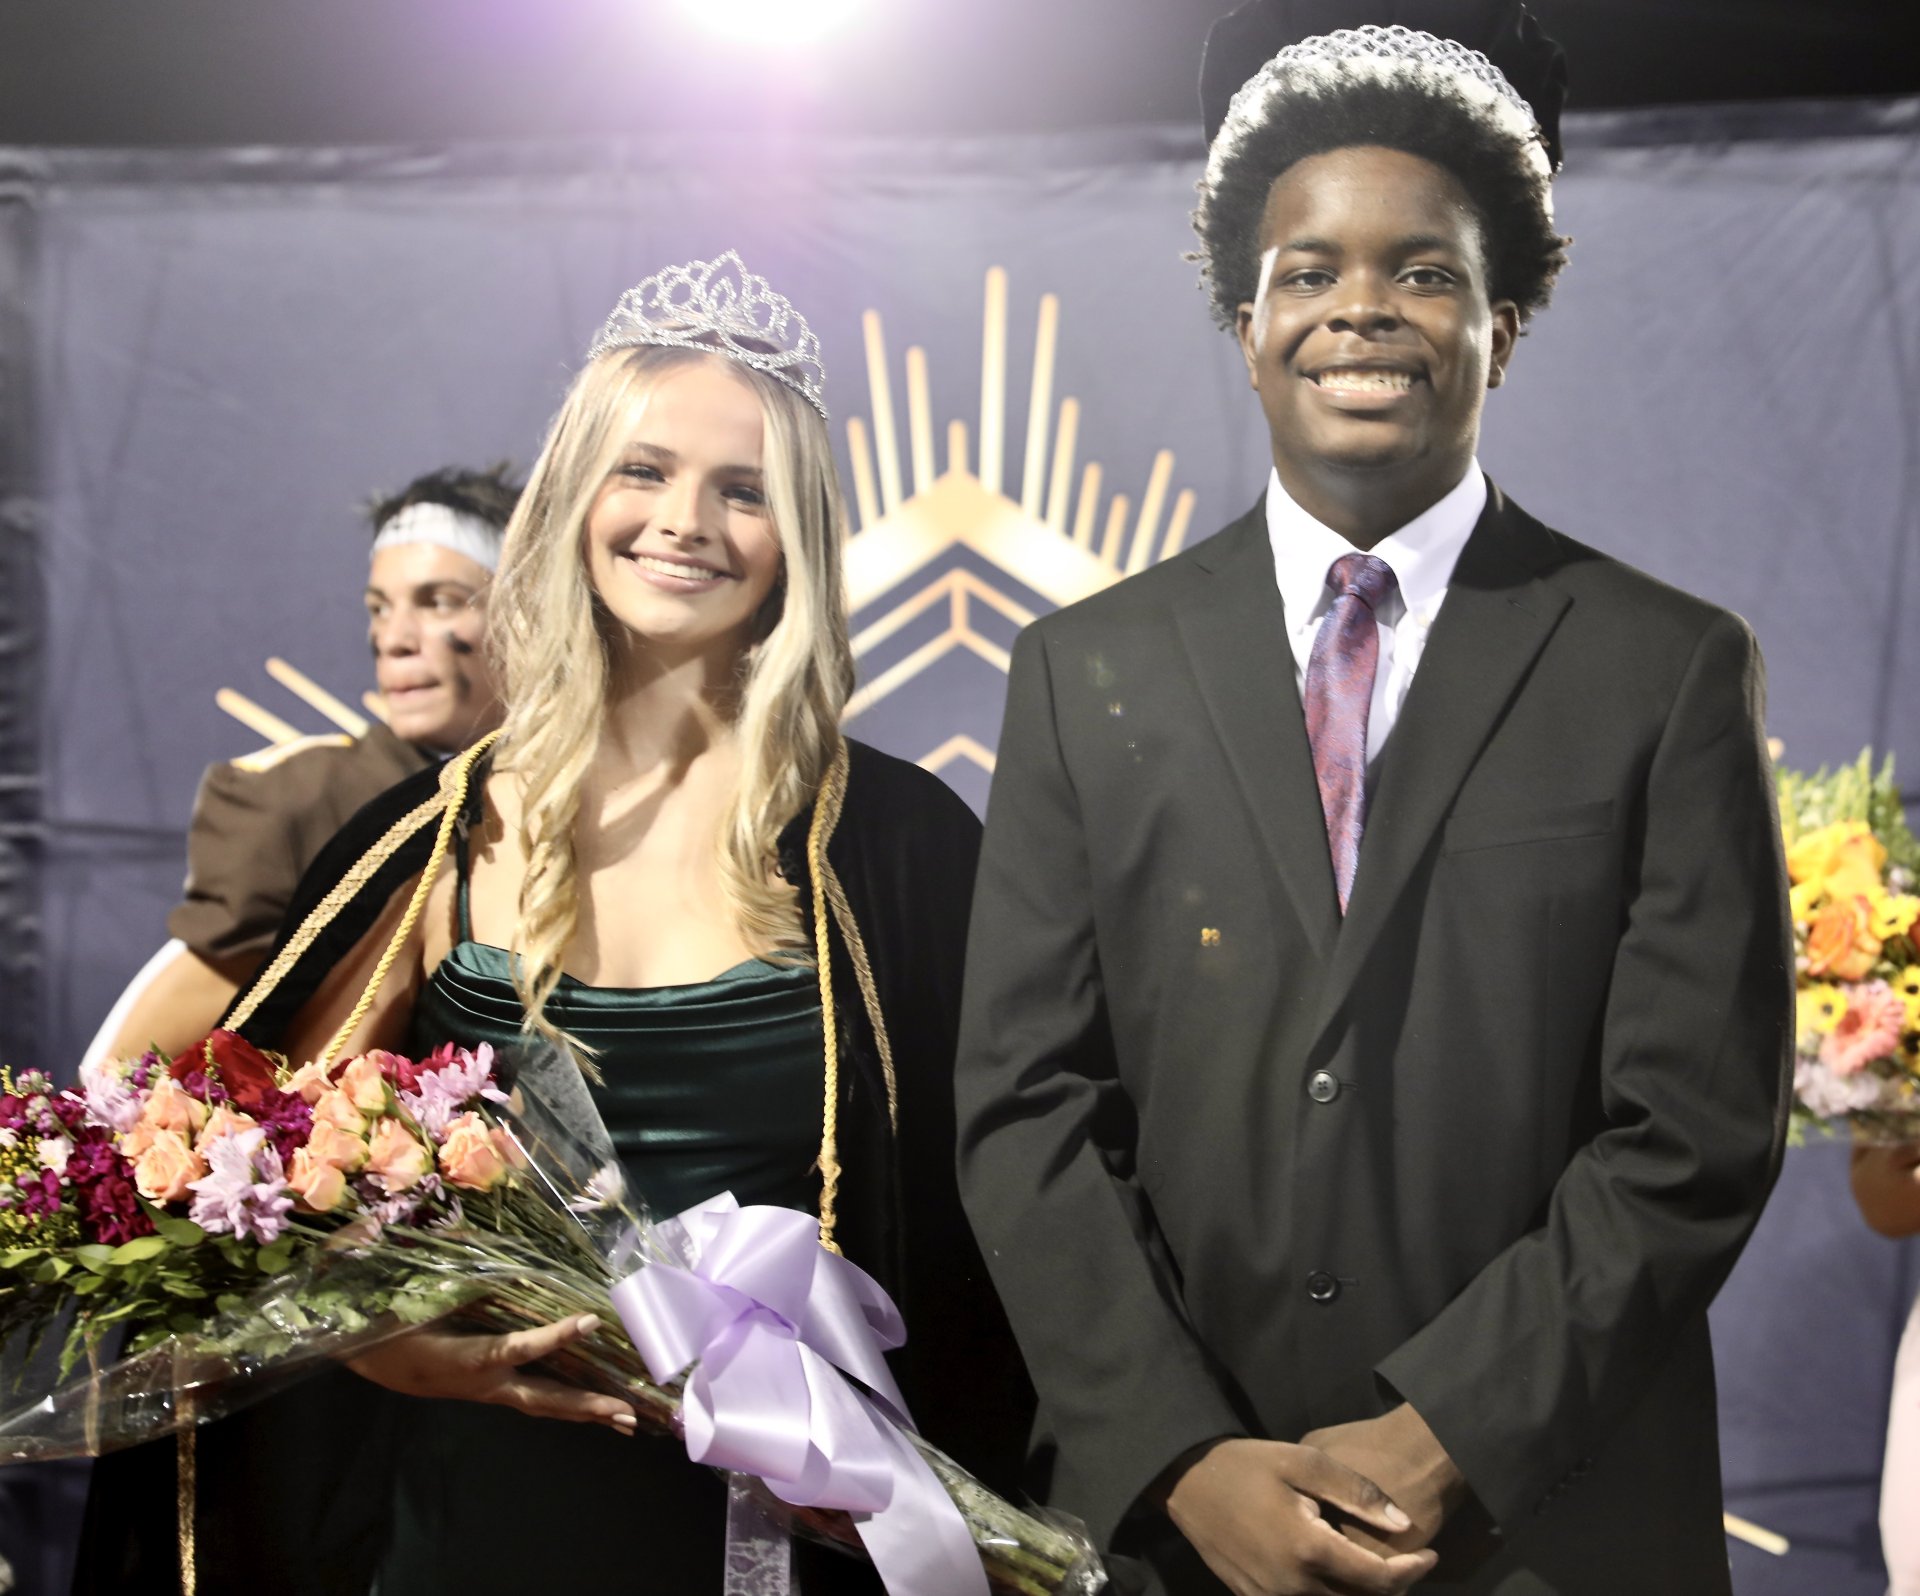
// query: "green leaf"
[[52, 1269], [181, 1232], [273, 1260], [85, 1285], [14, 1257], [93, 1256], [140, 1247]]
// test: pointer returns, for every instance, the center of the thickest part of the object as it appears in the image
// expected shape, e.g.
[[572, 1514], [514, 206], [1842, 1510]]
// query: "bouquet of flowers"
[[242, 1220], [1854, 866]]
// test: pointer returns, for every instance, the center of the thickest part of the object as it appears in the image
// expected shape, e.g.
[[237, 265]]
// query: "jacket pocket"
[[1502, 828]]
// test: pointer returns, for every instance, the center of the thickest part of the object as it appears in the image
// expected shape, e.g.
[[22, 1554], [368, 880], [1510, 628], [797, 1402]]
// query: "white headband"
[[451, 529]]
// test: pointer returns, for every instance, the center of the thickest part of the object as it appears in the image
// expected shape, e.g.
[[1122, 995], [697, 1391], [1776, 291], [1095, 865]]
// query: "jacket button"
[[1322, 1287], [1322, 1087]]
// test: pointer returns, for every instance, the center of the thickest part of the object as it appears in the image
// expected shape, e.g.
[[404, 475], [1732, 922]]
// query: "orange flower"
[[164, 1169], [470, 1156], [1839, 942]]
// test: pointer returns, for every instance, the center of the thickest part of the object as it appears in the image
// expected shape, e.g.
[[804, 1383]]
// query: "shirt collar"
[[1422, 553]]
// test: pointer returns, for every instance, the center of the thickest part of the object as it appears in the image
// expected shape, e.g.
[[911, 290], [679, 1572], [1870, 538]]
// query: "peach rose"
[[308, 1082], [223, 1121], [170, 1108], [362, 1082], [470, 1157], [396, 1156], [329, 1144], [163, 1171], [334, 1107], [1839, 942], [319, 1185]]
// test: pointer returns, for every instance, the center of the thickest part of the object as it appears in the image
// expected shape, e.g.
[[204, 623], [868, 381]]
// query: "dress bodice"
[[708, 1087]]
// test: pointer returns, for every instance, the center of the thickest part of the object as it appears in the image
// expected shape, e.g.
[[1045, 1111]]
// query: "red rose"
[[244, 1070]]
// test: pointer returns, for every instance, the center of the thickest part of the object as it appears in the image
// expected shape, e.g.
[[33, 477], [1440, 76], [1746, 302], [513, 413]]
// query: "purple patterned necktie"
[[1340, 671]]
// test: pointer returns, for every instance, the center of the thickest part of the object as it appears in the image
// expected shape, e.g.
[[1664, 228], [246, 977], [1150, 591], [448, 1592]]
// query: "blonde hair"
[[552, 641]]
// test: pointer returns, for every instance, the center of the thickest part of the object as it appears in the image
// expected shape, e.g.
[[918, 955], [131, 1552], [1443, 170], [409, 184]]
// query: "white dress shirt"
[[1422, 554]]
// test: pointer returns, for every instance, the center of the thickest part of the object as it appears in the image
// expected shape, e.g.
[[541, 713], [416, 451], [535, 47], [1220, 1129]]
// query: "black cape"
[[291, 1496]]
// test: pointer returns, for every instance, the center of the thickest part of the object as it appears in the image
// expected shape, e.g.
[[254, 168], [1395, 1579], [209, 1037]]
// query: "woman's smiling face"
[[680, 543]]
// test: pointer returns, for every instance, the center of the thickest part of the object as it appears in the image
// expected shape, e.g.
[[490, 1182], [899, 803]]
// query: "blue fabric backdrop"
[[207, 359]]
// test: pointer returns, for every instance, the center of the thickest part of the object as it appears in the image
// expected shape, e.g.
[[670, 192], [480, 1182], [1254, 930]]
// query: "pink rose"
[[164, 1171], [223, 1121], [396, 1156], [469, 1156], [319, 1185], [170, 1108], [361, 1080], [1869, 1030], [308, 1082], [329, 1144], [334, 1107]]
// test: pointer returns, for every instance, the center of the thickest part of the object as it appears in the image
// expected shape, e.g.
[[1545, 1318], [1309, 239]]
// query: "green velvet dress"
[[708, 1088]]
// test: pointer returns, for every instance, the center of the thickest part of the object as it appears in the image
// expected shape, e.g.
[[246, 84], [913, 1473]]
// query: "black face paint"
[[459, 681]]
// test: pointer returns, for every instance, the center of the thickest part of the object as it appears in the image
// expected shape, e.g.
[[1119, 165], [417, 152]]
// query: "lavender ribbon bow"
[[773, 1325]]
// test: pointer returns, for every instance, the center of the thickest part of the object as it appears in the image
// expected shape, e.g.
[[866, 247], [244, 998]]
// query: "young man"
[[258, 822], [1376, 1038]]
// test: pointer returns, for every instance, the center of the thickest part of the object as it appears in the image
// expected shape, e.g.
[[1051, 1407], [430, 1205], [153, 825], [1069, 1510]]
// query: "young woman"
[[749, 929]]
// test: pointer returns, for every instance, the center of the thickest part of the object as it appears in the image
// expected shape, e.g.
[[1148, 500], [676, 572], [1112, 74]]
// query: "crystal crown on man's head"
[[721, 306]]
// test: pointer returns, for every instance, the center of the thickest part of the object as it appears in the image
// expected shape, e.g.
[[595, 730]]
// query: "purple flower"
[[104, 1193], [197, 1083], [245, 1193], [449, 1090], [110, 1096], [288, 1121], [39, 1192]]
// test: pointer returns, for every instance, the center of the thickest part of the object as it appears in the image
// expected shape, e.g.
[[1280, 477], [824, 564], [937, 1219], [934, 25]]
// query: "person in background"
[[1886, 1185], [259, 821]]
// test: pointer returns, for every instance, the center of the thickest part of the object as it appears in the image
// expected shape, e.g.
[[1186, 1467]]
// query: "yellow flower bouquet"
[[1854, 864]]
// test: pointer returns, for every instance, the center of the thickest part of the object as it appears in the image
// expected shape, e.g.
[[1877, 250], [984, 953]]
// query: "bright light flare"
[[771, 22]]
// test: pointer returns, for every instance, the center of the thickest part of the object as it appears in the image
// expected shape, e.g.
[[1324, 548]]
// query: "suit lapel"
[[1234, 630], [1497, 616]]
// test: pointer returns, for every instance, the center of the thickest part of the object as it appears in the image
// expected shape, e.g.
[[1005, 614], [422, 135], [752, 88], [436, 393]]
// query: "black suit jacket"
[[1489, 1145]]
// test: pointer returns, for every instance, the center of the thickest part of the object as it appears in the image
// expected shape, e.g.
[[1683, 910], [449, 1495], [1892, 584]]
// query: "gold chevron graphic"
[[1045, 540]]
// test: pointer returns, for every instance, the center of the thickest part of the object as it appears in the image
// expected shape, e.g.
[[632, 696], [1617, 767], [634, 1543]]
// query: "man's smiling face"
[[1372, 342]]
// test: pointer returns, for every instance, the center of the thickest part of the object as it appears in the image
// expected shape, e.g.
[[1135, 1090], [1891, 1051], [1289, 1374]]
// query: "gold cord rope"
[[453, 791], [321, 916], [869, 991], [826, 813]]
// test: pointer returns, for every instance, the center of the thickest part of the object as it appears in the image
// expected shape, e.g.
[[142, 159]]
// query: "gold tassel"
[[186, 1504]]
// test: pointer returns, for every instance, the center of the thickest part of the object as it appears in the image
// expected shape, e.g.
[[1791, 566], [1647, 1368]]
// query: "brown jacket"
[[257, 824]]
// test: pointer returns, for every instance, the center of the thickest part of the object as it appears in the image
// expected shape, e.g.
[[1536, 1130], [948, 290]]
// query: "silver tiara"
[[1385, 50], [719, 305]]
